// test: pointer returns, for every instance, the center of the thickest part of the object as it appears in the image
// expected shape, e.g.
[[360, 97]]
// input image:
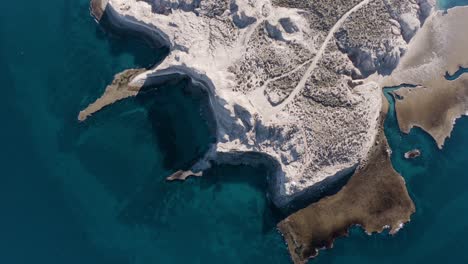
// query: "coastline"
[[221, 121], [102, 12], [119, 89], [371, 194], [432, 109], [375, 198], [436, 101], [96, 191]]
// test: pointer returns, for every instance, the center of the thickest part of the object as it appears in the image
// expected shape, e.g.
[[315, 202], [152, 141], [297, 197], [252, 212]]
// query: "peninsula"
[[297, 85]]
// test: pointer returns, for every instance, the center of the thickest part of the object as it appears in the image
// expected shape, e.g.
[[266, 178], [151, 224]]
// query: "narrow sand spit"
[[119, 89]]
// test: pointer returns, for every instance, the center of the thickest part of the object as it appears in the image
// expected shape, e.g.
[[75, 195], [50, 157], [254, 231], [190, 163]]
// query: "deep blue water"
[[95, 192]]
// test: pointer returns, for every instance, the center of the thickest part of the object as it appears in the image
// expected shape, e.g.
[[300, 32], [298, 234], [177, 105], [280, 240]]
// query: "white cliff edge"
[[283, 88]]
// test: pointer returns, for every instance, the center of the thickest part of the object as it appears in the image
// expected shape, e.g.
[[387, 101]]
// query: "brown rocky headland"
[[375, 198]]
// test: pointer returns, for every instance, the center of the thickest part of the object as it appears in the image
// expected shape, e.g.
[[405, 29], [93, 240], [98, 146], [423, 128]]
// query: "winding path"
[[267, 110]]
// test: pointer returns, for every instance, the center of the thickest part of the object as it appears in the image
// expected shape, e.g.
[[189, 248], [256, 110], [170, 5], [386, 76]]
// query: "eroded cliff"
[[280, 83]]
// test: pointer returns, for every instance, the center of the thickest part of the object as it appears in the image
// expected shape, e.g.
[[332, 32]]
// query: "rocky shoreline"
[[222, 120], [311, 140], [375, 198]]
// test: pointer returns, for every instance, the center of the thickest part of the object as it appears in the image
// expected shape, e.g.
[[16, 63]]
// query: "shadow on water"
[[172, 127], [330, 186], [179, 114], [131, 146], [166, 124], [147, 53]]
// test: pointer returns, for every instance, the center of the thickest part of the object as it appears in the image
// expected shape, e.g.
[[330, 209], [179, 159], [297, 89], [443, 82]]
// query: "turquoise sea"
[[95, 192]]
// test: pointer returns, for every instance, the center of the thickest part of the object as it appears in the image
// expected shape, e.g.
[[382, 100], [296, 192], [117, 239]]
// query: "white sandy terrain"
[[279, 76]]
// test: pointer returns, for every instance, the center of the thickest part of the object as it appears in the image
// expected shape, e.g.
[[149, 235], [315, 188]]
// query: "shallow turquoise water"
[[444, 4], [95, 192]]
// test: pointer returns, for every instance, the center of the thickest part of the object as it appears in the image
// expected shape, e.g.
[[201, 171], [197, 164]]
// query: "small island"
[[412, 154]]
